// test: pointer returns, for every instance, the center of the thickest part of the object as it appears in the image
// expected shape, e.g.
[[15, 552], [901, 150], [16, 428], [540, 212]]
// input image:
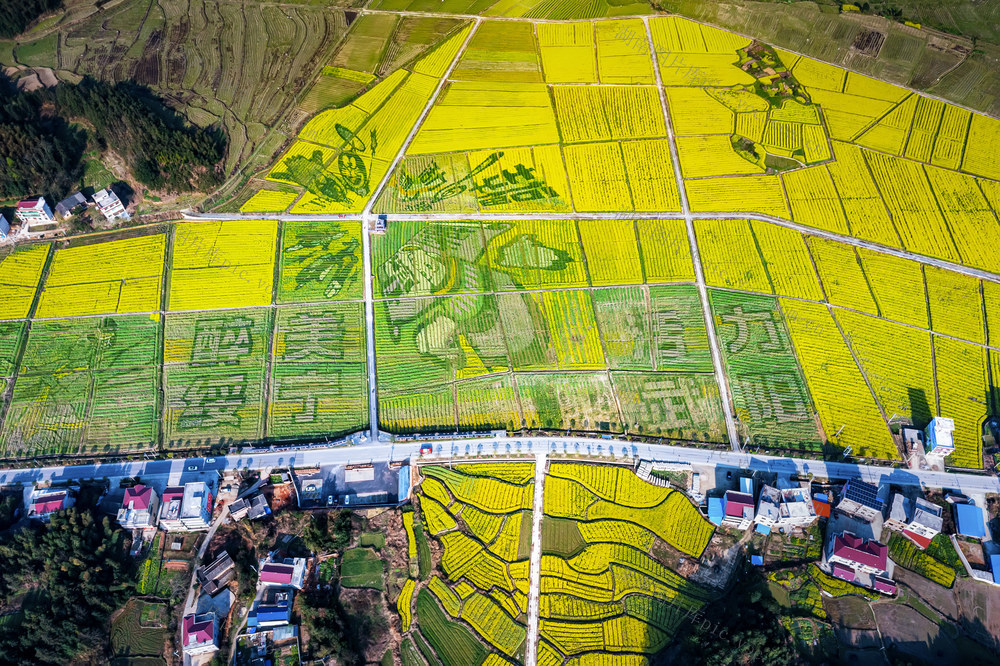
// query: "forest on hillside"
[[42, 143]]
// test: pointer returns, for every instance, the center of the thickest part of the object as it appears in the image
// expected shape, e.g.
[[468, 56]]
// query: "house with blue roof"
[[969, 519]]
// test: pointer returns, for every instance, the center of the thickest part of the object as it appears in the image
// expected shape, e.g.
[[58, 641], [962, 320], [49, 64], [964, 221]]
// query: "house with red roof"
[[859, 555], [199, 634], [737, 509], [140, 508], [289, 572], [47, 501]]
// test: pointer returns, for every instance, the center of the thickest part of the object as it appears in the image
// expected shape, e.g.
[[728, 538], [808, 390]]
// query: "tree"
[[16, 15], [322, 537], [741, 628], [80, 568]]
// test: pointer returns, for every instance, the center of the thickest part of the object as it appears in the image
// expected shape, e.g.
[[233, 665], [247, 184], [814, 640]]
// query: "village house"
[[850, 556], [250, 507], [46, 502], [737, 509], [215, 576], [289, 572], [186, 508], [920, 520], [139, 509], [199, 634], [860, 500], [784, 509]]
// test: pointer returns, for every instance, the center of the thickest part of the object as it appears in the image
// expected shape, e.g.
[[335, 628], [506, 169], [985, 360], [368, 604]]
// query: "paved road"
[[197, 468]]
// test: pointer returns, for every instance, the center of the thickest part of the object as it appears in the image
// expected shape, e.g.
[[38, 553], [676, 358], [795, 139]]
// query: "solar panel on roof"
[[862, 493]]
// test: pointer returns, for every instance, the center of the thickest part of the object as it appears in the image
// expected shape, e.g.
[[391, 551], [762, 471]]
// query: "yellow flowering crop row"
[[841, 274], [568, 52], [269, 201], [890, 132], [898, 287], [19, 274], [846, 407], [404, 603], [729, 255], [711, 155], [910, 201], [601, 113], [222, 264], [666, 252], [787, 260], [119, 276], [972, 223], [752, 194], [866, 212], [956, 306], [623, 52], [906, 389], [473, 115], [963, 389]]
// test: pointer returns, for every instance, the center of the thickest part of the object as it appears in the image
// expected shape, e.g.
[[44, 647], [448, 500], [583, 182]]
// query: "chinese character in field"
[[213, 402], [518, 185], [755, 327], [222, 340], [314, 336]]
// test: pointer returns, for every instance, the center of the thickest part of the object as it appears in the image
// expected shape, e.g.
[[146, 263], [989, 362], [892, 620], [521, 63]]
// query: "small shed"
[[757, 560], [970, 520], [715, 511]]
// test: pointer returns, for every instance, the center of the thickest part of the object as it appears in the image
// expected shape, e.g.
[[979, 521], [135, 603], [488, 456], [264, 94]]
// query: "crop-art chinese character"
[[420, 191], [222, 340], [212, 402], [752, 328], [315, 337]]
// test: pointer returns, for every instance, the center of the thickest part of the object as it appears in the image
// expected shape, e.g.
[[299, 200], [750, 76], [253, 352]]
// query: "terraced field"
[[605, 590]]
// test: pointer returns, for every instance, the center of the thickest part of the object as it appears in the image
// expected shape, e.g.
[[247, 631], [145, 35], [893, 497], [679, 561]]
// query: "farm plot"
[[214, 376], [319, 378], [906, 554], [365, 135], [226, 264], [20, 272], [484, 560], [843, 398], [362, 567], [86, 386], [138, 630], [606, 593], [769, 391], [559, 345], [320, 261], [105, 278]]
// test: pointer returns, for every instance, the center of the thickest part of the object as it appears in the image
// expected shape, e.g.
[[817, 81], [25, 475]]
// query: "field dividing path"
[[366, 248], [535, 566], [699, 274]]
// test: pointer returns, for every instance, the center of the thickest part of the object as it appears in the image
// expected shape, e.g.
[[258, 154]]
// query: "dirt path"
[[535, 575]]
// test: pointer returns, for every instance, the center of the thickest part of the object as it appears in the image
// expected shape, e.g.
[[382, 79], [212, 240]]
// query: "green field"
[[361, 567], [134, 637], [453, 643]]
